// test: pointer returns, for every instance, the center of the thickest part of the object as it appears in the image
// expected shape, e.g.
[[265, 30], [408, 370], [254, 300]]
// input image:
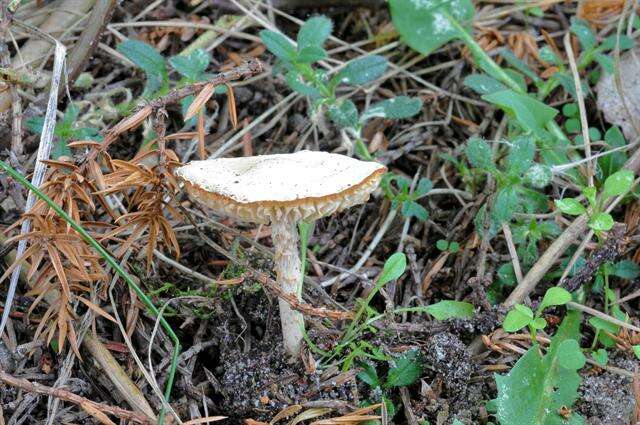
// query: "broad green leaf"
[[601, 356], [368, 375], [314, 32], [602, 327], [570, 355], [406, 370], [614, 161], [414, 209], [538, 323], [517, 318], [395, 108], [479, 154], [610, 42], [426, 25], [483, 84], [448, 309], [538, 176], [344, 115], [535, 389], [584, 33], [506, 274], [618, 183], [191, 66], [530, 113], [601, 222], [636, 350], [393, 268], [151, 62], [424, 186], [521, 154], [279, 45], [363, 70], [626, 269], [554, 296], [311, 54], [570, 206], [505, 204]]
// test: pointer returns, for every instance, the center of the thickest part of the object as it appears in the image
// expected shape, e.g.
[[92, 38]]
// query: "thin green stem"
[[116, 266]]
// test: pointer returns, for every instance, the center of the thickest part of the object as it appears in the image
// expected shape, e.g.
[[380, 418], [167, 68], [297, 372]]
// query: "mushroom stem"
[[285, 240]]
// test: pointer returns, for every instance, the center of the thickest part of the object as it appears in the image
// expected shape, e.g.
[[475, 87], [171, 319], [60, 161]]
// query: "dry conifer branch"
[[97, 410]]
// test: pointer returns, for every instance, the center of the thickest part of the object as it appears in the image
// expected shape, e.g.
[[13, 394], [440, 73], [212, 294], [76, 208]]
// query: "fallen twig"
[[97, 410]]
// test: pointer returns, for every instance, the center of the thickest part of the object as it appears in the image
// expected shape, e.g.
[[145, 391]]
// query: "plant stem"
[[116, 266]]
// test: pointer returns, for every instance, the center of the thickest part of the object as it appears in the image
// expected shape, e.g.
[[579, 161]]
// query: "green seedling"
[[446, 246], [522, 316], [398, 190], [67, 129], [600, 221], [298, 63]]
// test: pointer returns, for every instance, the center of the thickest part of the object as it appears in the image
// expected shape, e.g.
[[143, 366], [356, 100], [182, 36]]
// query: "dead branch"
[[97, 410]]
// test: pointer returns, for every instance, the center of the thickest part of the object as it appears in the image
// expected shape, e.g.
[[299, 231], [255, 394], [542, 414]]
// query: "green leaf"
[[601, 357], [554, 296], [535, 389], [311, 54], [150, 61], [448, 309], [610, 42], [521, 154], [519, 65], [570, 206], [618, 183], [191, 66], [602, 327], [426, 25], [442, 244], [406, 370], [35, 124], [424, 186], [479, 154], [614, 161], [483, 84], [414, 209], [530, 113], [344, 115], [590, 193], [314, 32], [538, 323], [538, 176], [636, 350], [505, 204], [279, 45], [393, 268], [363, 70], [395, 108], [584, 33], [368, 375], [293, 80], [601, 222], [517, 318], [570, 355], [626, 269]]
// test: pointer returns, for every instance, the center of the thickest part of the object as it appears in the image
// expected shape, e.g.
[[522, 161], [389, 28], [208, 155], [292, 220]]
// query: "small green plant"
[[521, 315], [600, 221], [446, 246], [516, 179], [403, 371], [67, 130], [298, 65], [539, 386], [398, 190]]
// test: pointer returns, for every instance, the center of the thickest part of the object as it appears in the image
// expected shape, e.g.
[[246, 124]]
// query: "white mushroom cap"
[[304, 185]]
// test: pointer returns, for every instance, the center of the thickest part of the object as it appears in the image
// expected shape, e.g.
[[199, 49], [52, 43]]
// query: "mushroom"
[[282, 190]]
